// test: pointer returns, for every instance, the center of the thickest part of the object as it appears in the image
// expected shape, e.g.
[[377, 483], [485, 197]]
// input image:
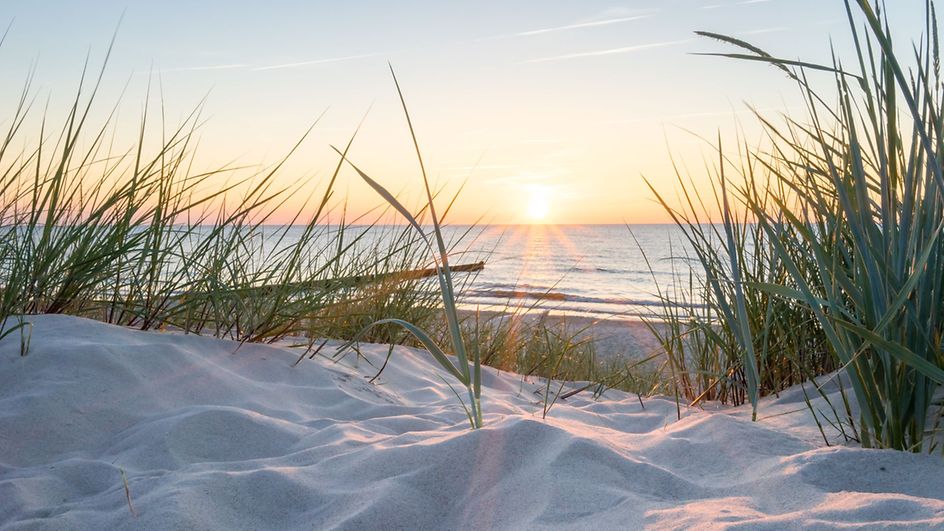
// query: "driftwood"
[[349, 282]]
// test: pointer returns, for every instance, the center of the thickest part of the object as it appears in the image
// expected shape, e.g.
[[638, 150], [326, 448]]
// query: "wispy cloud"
[[298, 64], [603, 18], [232, 66], [622, 11], [610, 51], [327, 60], [592, 24]]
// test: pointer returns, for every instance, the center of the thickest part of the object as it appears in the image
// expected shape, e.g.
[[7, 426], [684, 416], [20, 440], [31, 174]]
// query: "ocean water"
[[595, 270], [603, 271]]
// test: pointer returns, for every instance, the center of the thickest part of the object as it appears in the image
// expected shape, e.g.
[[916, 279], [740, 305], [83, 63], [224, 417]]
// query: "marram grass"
[[830, 252], [467, 372], [136, 237]]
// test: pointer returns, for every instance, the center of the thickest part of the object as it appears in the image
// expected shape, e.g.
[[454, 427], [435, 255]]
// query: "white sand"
[[210, 438]]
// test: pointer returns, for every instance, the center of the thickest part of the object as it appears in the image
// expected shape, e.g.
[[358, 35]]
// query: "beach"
[[613, 338], [104, 427], [446, 265]]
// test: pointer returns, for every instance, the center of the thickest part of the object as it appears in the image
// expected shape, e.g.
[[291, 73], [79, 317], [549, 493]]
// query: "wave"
[[558, 296], [591, 269]]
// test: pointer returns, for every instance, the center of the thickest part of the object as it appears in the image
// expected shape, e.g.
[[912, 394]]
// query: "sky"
[[546, 111]]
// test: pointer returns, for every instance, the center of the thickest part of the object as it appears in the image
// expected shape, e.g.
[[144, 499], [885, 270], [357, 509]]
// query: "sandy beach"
[[450, 265], [627, 338], [108, 428]]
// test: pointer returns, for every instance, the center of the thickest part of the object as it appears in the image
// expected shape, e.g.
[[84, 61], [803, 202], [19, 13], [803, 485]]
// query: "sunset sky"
[[551, 110]]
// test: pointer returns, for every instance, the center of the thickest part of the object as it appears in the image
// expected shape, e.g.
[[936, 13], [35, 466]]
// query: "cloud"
[[204, 67], [313, 62], [592, 24], [603, 18], [623, 11], [610, 51], [299, 64]]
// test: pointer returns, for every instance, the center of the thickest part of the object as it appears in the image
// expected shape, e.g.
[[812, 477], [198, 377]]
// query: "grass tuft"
[[830, 253]]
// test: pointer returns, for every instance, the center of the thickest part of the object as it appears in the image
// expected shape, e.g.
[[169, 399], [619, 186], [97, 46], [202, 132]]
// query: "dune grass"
[[827, 258], [467, 372], [524, 341], [828, 255], [136, 237], [552, 352]]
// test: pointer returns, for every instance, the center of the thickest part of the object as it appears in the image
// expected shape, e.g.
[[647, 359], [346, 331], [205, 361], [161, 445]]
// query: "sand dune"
[[214, 437]]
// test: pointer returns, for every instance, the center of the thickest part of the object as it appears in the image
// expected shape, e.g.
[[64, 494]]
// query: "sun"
[[539, 206]]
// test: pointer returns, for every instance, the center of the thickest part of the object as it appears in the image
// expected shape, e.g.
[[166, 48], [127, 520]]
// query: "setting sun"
[[539, 206]]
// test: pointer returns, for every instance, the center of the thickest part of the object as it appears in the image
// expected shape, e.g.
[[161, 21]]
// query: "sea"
[[601, 271]]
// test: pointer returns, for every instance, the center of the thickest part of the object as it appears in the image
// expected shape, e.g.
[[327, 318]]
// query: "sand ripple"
[[211, 437]]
